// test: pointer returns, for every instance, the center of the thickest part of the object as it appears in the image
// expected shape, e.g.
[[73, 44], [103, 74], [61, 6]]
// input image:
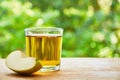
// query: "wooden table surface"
[[72, 69]]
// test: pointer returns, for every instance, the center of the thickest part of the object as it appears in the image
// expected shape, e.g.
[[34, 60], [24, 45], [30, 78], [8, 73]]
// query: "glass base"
[[49, 68]]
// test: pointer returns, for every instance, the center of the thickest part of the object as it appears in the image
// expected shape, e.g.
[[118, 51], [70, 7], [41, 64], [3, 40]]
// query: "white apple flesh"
[[19, 63]]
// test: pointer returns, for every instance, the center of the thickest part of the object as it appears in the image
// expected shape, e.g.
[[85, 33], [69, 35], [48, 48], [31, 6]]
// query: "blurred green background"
[[91, 27]]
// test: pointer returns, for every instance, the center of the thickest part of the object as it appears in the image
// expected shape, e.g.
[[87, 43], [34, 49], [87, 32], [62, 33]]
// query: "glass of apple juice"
[[45, 44]]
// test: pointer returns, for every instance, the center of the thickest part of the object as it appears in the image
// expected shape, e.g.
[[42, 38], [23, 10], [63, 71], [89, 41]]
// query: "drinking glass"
[[45, 44]]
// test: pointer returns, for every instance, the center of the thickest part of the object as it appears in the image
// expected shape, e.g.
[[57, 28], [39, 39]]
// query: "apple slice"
[[18, 62]]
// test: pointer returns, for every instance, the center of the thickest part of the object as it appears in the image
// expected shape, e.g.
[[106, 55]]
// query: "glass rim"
[[44, 28], [43, 31]]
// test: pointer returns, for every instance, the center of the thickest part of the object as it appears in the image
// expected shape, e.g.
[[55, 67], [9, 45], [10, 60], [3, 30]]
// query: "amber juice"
[[46, 49]]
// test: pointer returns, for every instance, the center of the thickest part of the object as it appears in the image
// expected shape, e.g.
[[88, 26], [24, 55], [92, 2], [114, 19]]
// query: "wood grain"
[[72, 69]]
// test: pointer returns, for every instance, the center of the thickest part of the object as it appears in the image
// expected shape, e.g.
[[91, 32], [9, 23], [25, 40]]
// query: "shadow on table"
[[37, 74]]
